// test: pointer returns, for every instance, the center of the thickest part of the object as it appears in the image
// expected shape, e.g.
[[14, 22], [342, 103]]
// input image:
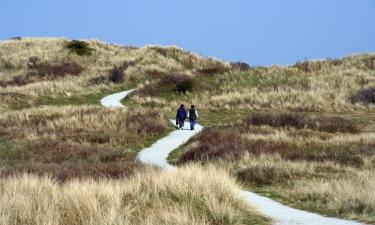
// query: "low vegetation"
[[69, 142], [187, 196], [302, 121]]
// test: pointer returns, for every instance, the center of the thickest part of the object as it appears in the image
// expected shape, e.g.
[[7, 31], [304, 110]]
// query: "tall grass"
[[353, 195], [185, 196]]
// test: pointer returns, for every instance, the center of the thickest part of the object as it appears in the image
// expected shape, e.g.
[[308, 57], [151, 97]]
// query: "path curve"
[[157, 155]]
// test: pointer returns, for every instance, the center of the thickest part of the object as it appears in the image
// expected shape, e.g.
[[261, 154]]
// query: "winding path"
[[157, 155]]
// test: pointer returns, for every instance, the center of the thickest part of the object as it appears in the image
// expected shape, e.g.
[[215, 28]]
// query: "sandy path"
[[157, 155]]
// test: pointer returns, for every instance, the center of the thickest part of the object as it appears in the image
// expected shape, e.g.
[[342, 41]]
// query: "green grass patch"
[[89, 99]]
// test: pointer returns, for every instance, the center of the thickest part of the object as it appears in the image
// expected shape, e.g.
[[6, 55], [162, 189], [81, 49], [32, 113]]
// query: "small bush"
[[365, 96], [116, 75], [81, 48], [241, 66], [177, 83]]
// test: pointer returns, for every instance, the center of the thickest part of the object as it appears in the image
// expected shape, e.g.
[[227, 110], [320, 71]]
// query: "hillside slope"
[[302, 134]]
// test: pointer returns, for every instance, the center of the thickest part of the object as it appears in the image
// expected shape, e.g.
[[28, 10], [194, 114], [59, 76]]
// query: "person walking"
[[181, 116], [193, 116]]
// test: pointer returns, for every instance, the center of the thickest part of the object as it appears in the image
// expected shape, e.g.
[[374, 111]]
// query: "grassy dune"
[[302, 134], [186, 196], [49, 120]]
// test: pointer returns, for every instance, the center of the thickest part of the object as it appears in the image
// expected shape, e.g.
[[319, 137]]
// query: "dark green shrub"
[[365, 96], [81, 48], [177, 83], [241, 66], [116, 75]]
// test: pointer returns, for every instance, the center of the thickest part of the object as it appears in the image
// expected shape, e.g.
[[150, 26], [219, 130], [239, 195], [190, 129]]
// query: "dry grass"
[[328, 89], [186, 196], [84, 124], [352, 196], [317, 162], [51, 53]]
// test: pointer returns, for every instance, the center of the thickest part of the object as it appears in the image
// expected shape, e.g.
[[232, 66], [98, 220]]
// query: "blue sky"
[[261, 32]]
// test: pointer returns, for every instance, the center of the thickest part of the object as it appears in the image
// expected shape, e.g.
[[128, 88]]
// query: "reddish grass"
[[215, 144], [48, 70], [228, 144], [65, 161]]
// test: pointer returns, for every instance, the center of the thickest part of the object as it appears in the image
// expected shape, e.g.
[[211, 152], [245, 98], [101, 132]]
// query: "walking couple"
[[192, 114]]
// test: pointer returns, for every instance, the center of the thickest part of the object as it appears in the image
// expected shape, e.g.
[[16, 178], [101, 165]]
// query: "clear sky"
[[259, 32]]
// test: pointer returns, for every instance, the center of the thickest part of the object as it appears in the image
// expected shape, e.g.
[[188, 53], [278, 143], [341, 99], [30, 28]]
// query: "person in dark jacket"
[[193, 116], [181, 116]]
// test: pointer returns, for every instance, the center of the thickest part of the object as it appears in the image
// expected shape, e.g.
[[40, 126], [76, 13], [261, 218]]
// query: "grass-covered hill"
[[303, 134], [49, 102]]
